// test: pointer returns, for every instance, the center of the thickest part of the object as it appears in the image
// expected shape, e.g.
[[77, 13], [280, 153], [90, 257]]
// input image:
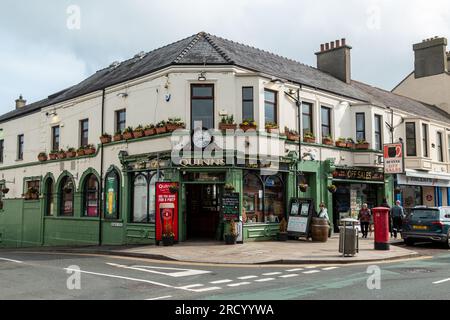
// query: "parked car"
[[427, 224]]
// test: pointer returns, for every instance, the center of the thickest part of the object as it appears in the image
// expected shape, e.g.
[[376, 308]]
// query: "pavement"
[[253, 253]]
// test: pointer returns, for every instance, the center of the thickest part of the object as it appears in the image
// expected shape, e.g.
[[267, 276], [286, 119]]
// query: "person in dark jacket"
[[397, 214], [364, 218]]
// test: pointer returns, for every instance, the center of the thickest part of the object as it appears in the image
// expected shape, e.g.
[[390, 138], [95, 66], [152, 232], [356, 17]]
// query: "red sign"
[[166, 209], [393, 158]]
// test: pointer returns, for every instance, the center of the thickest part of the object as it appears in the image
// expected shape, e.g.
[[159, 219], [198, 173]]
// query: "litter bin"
[[348, 237], [381, 223]]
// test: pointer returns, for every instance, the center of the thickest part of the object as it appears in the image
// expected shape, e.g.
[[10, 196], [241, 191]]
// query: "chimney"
[[20, 103], [430, 57], [334, 58]]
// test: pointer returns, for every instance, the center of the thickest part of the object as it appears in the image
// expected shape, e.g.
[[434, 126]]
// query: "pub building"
[[122, 177]]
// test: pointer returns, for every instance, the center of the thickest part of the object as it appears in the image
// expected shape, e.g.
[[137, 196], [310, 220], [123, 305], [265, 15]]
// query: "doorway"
[[203, 211]]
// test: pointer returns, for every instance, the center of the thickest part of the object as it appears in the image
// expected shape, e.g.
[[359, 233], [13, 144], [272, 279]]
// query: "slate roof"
[[208, 49]]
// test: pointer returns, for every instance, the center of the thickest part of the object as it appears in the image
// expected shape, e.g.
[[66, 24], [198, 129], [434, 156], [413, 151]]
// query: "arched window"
[[274, 199], [112, 195], [140, 199], [253, 196], [91, 196], [66, 192], [49, 204], [152, 198]]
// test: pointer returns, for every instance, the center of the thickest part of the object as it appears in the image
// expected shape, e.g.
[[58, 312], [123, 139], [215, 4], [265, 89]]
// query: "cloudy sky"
[[43, 51]]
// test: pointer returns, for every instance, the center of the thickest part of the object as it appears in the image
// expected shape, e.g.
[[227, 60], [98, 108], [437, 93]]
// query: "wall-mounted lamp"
[[122, 95], [292, 91], [51, 114], [202, 76]]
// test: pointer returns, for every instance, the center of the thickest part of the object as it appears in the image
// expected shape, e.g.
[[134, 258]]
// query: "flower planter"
[[42, 158], [161, 130], [341, 144], [283, 236], [362, 146], [303, 188], [149, 132], [71, 154], [53, 156], [62, 155], [247, 128], [89, 151], [327, 142], [273, 130], [118, 137], [293, 137], [168, 241], [309, 140], [138, 134], [81, 153], [226, 126], [350, 145], [105, 140], [128, 135], [173, 127], [332, 189], [230, 239]]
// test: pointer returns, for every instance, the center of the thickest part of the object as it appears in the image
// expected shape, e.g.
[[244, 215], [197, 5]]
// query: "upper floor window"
[[307, 117], [411, 146], [440, 150], [360, 126], [2, 147], [378, 134], [84, 132], [55, 138], [202, 106], [121, 120], [20, 143], [425, 140], [247, 103], [326, 122], [270, 106], [448, 139]]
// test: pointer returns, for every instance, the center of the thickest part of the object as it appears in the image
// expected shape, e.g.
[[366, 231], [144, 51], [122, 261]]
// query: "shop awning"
[[417, 178], [434, 175]]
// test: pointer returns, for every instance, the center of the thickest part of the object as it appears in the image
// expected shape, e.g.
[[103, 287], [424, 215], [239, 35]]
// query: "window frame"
[[148, 176], [61, 194], [439, 146], [212, 98], [20, 146], [408, 153], [378, 135], [54, 136], [118, 184], [82, 131], [49, 187], [322, 125], [363, 131], [85, 197], [118, 122], [252, 100], [425, 140], [310, 115], [273, 104], [2, 150]]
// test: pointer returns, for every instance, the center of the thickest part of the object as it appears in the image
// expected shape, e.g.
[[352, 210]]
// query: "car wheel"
[[409, 242], [447, 243]]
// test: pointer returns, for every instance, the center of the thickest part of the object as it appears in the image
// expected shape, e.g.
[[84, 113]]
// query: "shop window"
[[378, 132], [326, 122], [49, 203], [91, 196], [67, 191], [360, 126], [152, 198], [202, 105], [270, 106], [411, 146], [263, 199], [247, 103], [112, 195], [307, 117], [144, 197], [425, 140], [32, 189]]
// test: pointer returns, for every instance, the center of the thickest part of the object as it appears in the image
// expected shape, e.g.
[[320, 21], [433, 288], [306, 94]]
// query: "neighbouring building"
[[106, 193], [427, 179]]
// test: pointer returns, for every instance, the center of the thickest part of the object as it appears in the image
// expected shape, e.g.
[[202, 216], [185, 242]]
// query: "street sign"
[[394, 158]]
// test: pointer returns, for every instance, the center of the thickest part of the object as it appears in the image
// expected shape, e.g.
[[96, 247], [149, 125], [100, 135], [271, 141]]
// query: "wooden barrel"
[[320, 230]]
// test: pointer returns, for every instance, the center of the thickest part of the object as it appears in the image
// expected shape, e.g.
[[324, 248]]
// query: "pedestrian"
[[385, 204], [397, 214], [323, 214], [364, 219]]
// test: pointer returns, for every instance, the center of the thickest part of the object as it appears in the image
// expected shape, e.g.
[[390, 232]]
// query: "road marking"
[[311, 267], [160, 298], [205, 289], [265, 280], [330, 268], [192, 286], [238, 284], [180, 272], [271, 274], [11, 260], [311, 272], [289, 275], [295, 270], [247, 277], [442, 281], [221, 281]]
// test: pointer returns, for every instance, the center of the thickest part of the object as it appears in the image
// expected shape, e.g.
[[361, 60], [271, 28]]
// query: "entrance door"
[[203, 211]]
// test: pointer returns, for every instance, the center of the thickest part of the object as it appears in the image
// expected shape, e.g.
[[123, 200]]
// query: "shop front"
[[355, 187]]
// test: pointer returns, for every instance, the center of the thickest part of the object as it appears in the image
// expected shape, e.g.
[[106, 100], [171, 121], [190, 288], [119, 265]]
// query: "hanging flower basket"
[[332, 188], [303, 187], [229, 188], [5, 191]]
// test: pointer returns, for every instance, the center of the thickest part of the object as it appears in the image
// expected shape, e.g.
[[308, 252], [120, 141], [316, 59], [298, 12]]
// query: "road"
[[40, 275]]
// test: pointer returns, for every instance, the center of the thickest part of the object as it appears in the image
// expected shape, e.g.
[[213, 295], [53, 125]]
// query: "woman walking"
[[364, 219]]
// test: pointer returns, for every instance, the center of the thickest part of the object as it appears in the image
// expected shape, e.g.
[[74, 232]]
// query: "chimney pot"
[[322, 47], [338, 43], [343, 41], [327, 46], [332, 44], [20, 103]]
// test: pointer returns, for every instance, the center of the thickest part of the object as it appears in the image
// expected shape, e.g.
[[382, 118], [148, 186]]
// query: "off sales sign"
[[394, 160]]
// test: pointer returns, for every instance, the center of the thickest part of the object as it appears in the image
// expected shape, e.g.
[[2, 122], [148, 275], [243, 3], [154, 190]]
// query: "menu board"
[[300, 215], [230, 206]]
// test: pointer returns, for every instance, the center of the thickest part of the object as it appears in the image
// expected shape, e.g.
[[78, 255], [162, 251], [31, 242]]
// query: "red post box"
[[381, 223]]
